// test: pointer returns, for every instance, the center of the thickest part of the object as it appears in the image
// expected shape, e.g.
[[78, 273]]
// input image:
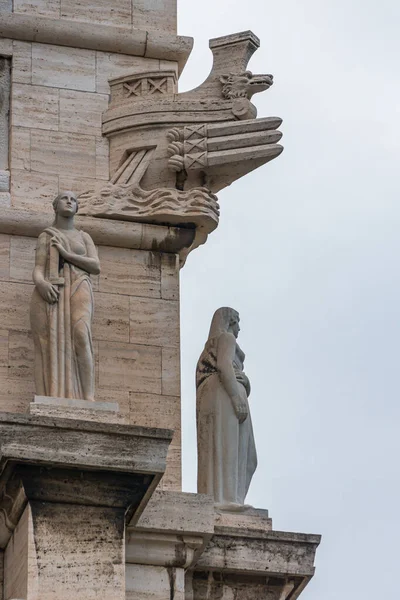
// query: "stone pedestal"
[[67, 489]]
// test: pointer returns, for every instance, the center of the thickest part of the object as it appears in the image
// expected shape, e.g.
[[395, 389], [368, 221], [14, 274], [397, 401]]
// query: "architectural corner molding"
[[106, 38]]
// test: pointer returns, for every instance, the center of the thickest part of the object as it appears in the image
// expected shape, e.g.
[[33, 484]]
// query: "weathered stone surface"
[[130, 272], [171, 372], [22, 258], [33, 191], [71, 68], [43, 104], [98, 11], [86, 444], [5, 176], [20, 152], [81, 111], [67, 408], [5, 81], [44, 8], [154, 322], [135, 236], [178, 512], [106, 38], [59, 153], [132, 367], [22, 61], [111, 318]]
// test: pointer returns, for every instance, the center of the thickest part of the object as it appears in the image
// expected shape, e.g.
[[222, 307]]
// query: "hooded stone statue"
[[227, 455]]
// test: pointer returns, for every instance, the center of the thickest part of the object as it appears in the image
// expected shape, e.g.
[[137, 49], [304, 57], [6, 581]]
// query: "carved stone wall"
[[124, 13]]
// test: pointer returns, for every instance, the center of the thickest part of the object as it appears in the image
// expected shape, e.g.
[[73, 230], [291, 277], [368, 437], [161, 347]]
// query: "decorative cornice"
[[92, 36], [104, 232]]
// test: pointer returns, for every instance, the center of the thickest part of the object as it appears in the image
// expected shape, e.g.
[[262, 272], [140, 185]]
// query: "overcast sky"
[[308, 252]]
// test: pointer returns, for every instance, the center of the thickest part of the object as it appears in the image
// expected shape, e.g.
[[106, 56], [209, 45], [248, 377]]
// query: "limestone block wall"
[[135, 333], [58, 95], [140, 14]]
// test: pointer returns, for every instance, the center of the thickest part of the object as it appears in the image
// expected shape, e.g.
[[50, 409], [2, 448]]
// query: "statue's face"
[[234, 326], [67, 204]]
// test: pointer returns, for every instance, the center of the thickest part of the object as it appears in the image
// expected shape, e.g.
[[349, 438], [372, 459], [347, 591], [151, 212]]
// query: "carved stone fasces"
[[206, 147]]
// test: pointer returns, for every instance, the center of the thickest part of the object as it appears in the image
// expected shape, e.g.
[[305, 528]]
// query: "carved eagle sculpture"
[[171, 153]]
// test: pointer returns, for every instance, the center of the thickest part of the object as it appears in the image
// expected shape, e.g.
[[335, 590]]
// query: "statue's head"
[[66, 204], [225, 319]]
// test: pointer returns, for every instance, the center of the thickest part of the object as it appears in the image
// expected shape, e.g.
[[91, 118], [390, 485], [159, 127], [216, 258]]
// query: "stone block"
[[129, 367], [66, 408], [180, 512], [4, 181], [153, 410], [251, 520], [98, 11], [63, 153], [4, 353], [155, 14], [111, 317], [42, 8], [80, 112], [61, 67], [6, 45], [17, 559], [121, 397], [149, 582], [110, 65], [33, 191], [130, 272], [15, 394], [170, 277], [5, 199], [172, 478], [21, 62], [20, 149], [76, 184], [171, 372], [34, 106], [154, 322], [22, 258], [5, 241], [14, 306], [20, 353], [102, 158]]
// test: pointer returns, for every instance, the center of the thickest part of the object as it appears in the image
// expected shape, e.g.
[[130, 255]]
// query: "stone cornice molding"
[[92, 36], [104, 232]]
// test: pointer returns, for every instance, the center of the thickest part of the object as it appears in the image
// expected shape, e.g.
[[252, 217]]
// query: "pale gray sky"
[[307, 250]]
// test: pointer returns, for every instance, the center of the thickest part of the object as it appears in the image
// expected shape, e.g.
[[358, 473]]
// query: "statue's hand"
[[57, 242], [48, 291], [240, 409]]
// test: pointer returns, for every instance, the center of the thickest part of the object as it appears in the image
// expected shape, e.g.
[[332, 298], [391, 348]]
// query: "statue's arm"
[[225, 356], [48, 291], [89, 263]]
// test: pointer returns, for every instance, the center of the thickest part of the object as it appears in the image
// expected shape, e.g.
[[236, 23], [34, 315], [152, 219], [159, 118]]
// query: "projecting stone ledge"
[[266, 564], [67, 489]]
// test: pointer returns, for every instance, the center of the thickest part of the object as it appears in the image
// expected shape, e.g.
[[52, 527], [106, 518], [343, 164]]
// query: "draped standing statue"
[[62, 306], [227, 455]]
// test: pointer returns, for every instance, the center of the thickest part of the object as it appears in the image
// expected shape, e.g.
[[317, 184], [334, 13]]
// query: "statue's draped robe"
[[227, 455], [53, 326]]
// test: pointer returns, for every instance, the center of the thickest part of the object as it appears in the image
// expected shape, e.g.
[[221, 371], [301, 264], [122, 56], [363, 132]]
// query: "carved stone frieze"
[[196, 208], [171, 153]]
